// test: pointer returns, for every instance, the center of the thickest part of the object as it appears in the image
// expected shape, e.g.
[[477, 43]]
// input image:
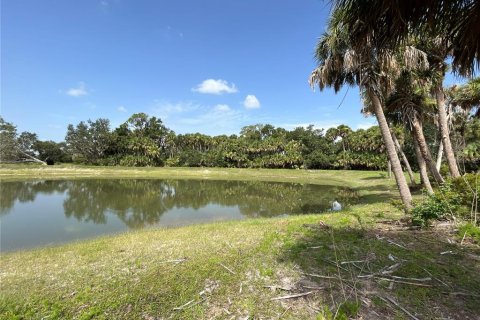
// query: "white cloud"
[[212, 86], [216, 120], [165, 109], [78, 91], [366, 125], [189, 117], [251, 102], [222, 108], [122, 109]]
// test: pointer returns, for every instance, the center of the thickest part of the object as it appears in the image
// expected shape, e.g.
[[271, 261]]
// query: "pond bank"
[[363, 261]]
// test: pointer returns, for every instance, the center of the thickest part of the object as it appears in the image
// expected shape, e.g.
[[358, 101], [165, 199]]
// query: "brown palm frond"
[[414, 58]]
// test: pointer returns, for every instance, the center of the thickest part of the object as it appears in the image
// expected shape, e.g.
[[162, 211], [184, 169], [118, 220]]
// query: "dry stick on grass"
[[189, 304], [431, 275], [399, 306], [393, 279], [226, 268], [394, 243], [463, 238], [298, 295], [174, 261], [336, 265], [277, 287], [406, 282], [183, 306], [413, 279], [392, 268], [352, 262], [283, 313]]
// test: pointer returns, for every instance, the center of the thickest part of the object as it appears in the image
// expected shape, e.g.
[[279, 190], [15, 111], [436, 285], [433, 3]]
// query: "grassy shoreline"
[[234, 269]]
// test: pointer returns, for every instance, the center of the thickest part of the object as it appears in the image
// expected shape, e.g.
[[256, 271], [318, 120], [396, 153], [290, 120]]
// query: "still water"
[[37, 213]]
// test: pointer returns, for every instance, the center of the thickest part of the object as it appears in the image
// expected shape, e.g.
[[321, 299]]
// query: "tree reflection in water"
[[142, 202], [26, 191]]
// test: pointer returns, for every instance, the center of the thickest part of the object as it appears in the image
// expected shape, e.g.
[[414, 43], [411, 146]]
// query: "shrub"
[[469, 230], [467, 187], [445, 202], [136, 161]]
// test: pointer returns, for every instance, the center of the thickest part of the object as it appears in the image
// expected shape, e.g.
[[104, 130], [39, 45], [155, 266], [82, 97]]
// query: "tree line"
[[145, 141]]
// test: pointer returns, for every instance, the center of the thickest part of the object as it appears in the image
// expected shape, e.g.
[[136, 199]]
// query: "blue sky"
[[210, 66]]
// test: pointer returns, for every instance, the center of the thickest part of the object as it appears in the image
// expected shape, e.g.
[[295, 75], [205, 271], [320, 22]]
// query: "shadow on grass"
[[380, 176], [376, 194], [418, 270]]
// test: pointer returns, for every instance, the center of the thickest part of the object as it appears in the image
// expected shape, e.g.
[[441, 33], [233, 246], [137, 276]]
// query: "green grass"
[[146, 274]]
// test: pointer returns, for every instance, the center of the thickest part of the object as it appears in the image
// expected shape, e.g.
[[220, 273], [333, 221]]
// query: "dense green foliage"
[[457, 198], [145, 141], [25, 146]]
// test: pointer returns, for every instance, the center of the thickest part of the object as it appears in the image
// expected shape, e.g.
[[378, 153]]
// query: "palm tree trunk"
[[389, 169], [423, 167], [439, 155], [444, 132], [417, 127], [404, 159], [402, 185]]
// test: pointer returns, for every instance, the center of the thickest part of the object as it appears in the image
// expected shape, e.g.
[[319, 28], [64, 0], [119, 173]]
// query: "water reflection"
[[26, 191], [138, 203]]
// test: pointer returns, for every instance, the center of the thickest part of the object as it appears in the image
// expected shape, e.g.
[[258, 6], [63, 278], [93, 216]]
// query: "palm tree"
[[404, 158], [389, 23], [409, 104], [422, 168], [339, 64], [467, 96], [437, 51]]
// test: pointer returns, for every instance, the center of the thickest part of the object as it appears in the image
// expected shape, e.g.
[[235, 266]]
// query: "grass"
[[233, 269]]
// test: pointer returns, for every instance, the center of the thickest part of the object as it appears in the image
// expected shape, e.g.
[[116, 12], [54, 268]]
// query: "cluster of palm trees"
[[396, 52]]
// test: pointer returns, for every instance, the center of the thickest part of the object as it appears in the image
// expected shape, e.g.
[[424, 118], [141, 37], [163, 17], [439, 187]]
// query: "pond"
[[43, 212]]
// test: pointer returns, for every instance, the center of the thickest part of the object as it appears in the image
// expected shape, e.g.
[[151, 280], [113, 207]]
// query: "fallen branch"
[[189, 304], [405, 282], [226, 268], [355, 261], [394, 243], [183, 306], [463, 238], [298, 295], [399, 306], [335, 264], [276, 287], [284, 312], [392, 268], [413, 279]]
